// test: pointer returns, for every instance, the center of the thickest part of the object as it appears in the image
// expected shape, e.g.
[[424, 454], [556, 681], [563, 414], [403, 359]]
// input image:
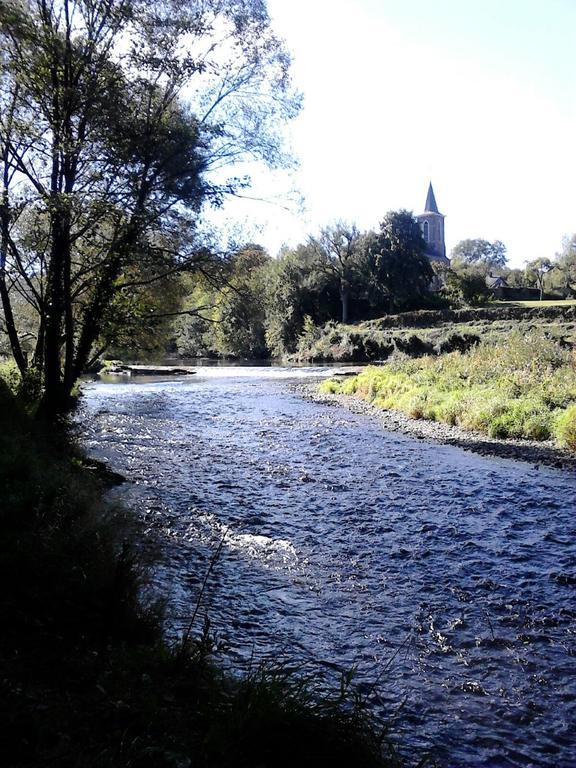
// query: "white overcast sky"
[[477, 95]]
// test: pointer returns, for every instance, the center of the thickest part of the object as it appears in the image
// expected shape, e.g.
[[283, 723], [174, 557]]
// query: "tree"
[[466, 285], [298, 287], [105, 166], [395, 260], [516, 278], [536, 272], [480, 252], [240, 318], [337, 250], [564, 275]]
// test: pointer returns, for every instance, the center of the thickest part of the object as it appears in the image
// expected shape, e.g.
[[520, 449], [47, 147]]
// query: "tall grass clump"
[[521, 386], [566, 427]]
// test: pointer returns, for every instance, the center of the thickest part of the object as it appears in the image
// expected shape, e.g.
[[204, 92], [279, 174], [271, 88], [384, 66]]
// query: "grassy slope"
[[85, 676], [546, 303], [521, 386], [432, 332]]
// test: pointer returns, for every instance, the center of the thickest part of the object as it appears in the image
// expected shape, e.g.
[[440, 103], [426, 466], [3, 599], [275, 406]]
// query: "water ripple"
[[446, 577]]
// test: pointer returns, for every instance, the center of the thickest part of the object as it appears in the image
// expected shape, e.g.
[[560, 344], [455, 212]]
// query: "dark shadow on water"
[[531, 454]]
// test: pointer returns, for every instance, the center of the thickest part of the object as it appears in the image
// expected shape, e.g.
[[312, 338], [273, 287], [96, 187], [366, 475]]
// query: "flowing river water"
[[446, 579]]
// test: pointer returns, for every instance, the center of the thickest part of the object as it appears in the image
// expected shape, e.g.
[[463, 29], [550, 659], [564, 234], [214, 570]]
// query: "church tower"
[[432, 225]]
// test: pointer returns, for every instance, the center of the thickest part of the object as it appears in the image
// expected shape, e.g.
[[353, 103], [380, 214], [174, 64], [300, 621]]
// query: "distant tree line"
[[263, 305]]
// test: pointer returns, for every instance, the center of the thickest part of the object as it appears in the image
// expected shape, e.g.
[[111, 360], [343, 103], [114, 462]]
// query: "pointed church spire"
[[431, 206]]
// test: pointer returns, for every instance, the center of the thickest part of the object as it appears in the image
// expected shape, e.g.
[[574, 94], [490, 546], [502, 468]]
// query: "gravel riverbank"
[[531, 451]]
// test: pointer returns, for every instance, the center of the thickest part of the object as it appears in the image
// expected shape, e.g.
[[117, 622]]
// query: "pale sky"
[[477, 95]]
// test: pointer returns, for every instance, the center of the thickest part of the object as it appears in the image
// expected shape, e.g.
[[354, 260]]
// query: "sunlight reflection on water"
[[448, 576]]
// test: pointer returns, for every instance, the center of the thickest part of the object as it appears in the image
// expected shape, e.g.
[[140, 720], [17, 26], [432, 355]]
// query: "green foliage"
[[515, 278], [227, 314], [563, 278], [566, 427], [465, 285], [26, 387], [138, 322], [399, 273], [311, 333], [341, 272], [338, 253], [263, 312], [536, 272], [240, 328], [10, 375], [297, 287], [519, 387]]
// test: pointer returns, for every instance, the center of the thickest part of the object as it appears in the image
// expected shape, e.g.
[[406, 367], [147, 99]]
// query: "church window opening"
[[426, 230]]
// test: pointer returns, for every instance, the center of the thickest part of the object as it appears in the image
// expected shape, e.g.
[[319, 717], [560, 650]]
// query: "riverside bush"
[[523, 386], [566, 427], [10, 375]]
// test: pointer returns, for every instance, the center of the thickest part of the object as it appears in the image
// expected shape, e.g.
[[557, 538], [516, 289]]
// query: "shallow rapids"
[[446, 579]]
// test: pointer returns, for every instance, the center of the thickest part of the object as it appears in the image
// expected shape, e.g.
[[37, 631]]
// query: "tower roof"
[[431, 206]]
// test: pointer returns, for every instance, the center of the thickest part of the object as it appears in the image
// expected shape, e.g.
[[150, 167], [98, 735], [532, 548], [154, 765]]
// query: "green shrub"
[[330, 387], [565, 428], [10, 375], [512, 387]]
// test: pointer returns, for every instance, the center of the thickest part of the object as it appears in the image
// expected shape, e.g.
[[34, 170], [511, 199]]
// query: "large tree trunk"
[[93, 316], [9, 321], [11, 330], [55, 397], [345, 299]]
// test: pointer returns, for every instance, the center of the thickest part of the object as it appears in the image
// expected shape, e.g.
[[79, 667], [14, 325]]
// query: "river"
[[446, 579]]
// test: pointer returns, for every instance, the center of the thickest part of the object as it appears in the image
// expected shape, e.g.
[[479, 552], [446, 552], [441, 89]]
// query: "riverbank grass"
[[523, 386], [535, 303]]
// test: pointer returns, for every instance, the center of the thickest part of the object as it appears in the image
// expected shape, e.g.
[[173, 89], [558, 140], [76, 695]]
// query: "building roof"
[[431, 206], [496, 281]]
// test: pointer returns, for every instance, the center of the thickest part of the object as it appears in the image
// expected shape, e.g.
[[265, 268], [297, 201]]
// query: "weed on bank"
[[521, 386]]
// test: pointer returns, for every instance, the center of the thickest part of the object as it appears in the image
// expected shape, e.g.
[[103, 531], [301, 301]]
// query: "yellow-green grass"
[[523, 386], [536, 303]]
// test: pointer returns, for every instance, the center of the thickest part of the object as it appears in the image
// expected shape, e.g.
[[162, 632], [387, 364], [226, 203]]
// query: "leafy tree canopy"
[[536, 271], [338, 255], [481, 252], [395, 261], [563, 278], [118, 120]]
